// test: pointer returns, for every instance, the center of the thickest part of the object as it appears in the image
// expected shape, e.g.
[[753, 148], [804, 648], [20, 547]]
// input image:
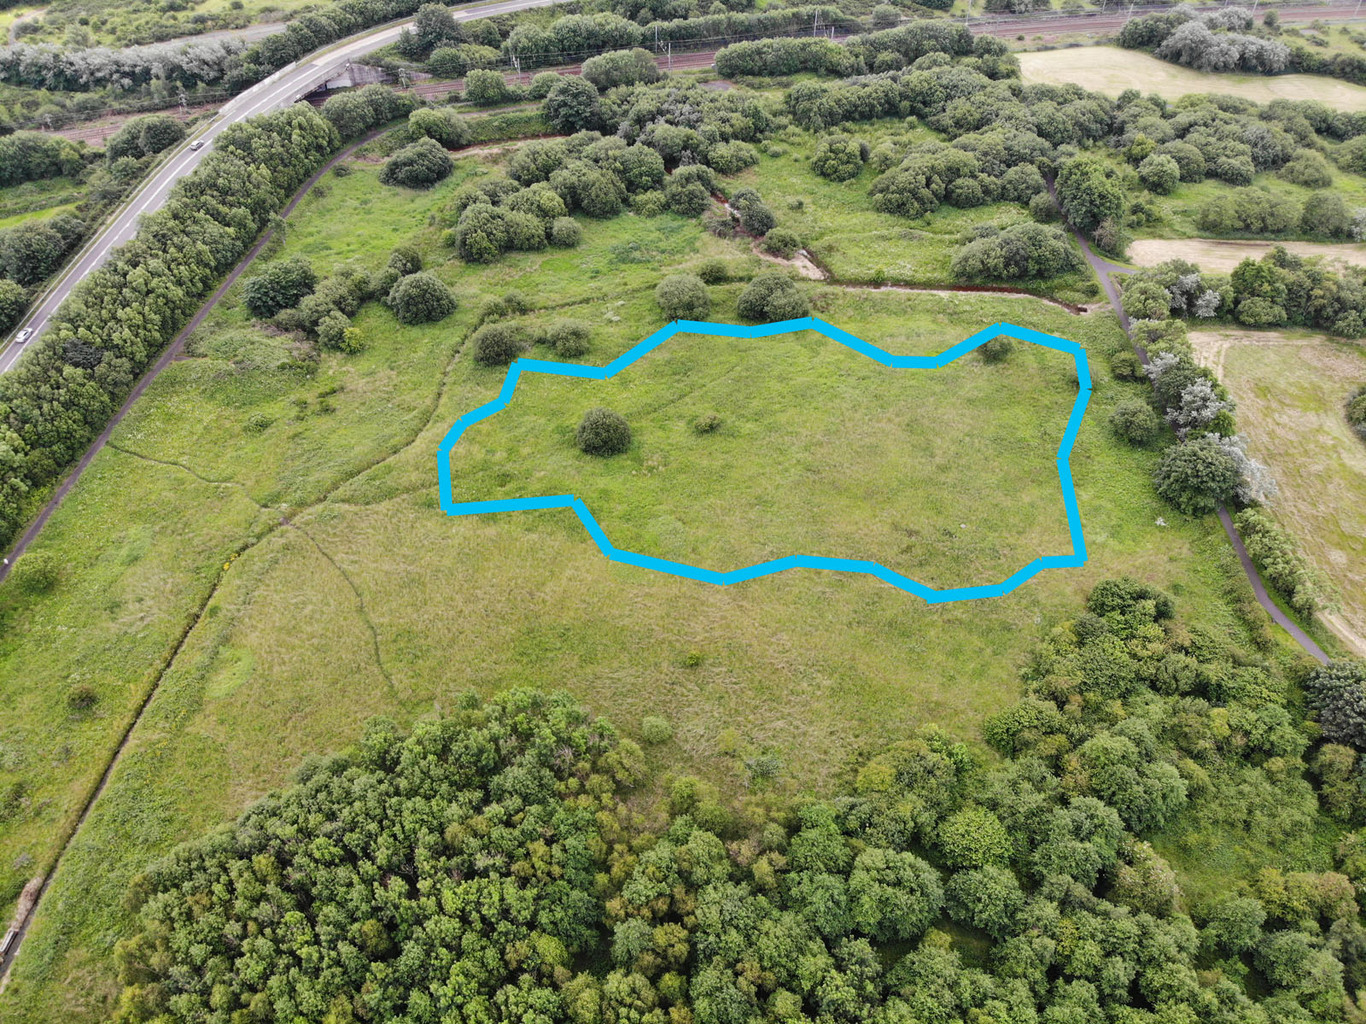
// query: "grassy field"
[[1220, 256], [273, 538], [1111, 70], [1290, 389]]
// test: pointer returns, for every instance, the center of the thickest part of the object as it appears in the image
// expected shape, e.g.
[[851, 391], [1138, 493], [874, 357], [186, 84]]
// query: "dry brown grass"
[[1111, 70], [1290, 389], [1219, 256]]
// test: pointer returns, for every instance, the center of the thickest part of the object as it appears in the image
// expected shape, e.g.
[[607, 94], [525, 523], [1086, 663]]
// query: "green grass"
[[354, 595], [38, 200]]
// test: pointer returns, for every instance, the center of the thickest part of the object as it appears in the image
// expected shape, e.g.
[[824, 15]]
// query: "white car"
[[23, 336], [197, 144]]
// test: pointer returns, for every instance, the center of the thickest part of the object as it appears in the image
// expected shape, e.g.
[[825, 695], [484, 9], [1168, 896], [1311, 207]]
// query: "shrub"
[[772, 296], [620, 67], [654, 729], [406, 260], [1135, 421], [1356, 412], [839, 157], [1279, 559], [441, 126], [1307, 169], [732, 157], [603, 432], [1124, 364], [36, 572], [782, 242], [997, 349], [569, 338], [1197, 476], [565, 232], [683, 297], [281, 285], [755, 217], [707, 423], [421, 298], [714, 271], [419, 165], [498, 344], [1019, 252], [687, 199], [1042, 208]]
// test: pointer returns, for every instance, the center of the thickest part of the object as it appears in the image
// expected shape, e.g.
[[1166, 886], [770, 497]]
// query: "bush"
[[654, 729], [714, 271], [280, 286], [572, 105], [707, 423], [565, 233], [1019, 252], [1135, 421], [541, 84], [1307, 169], [687, 199], [498, 344], [683, 297], [997, 349], [839, 157], [485, 87], [406, 260], [620, 67], [1197, 476], [569, 338], [421, 298], [782, 242], [1356, 412], [1279, 559], [1042, 208], [603, 432], [732, 157], [772, 296], [419, 165], [36, 572], [441, 126], [336, 333], [755, 217]]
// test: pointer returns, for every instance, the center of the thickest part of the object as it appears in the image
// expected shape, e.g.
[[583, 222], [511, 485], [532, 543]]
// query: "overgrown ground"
[[1111, 70], [1291, 388], [286, 525]]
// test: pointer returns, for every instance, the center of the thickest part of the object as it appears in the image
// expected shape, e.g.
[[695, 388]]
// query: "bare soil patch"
[[1220, 255]]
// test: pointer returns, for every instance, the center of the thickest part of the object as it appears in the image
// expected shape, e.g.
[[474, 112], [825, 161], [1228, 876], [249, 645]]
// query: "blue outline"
[[932, 596]]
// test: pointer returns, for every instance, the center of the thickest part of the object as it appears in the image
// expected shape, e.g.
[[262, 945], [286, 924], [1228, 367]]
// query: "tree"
[[439, 126], [420, 298], [498, 344], [1197, 476], [1090, 191], [603, 432], [485, 88], [13, 303], [144, 136], [419, 165], [572, 105], [620, 67], [839, 157], [772, 296], [683, 297], [1135, 421], [974, 837], [989, 898], [281, 285], [1159, 173], [893, 896]]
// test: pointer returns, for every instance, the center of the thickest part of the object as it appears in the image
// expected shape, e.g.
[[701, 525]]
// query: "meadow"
[[1111, 70], [1291, 388], [259, 555]]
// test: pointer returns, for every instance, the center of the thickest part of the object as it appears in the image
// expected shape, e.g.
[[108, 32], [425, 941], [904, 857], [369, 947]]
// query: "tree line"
[[63, 390], [507, 862]]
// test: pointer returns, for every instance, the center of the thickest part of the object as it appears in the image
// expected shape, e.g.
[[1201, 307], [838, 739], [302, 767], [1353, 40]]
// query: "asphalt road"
[[288, 85]]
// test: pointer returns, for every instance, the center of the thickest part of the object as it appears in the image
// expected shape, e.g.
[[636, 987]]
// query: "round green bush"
[[654, 729], [420, 165], [603, 432], [782, 242], [1197, 476], [1124, 365], [421, 298], [497, 344], [706, 423], [36, 573], [683, 297], [714, 272], [1135, 421], [406, 260], [569, 338], [772, 296], [998, 349], [565, 233]]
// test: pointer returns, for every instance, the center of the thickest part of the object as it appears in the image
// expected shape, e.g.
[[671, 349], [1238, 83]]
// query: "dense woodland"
[[515, 861]]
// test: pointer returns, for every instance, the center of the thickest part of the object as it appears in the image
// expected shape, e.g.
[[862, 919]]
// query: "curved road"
[[288, 85]]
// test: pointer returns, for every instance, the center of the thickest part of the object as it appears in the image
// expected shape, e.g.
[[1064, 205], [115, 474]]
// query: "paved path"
[[285, 87], [1107, 272]]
